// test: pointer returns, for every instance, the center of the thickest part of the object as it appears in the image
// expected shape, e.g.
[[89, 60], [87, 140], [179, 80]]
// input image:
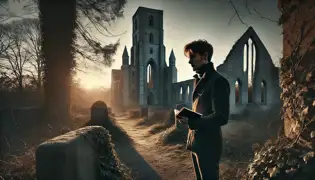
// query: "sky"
[[188, 20]]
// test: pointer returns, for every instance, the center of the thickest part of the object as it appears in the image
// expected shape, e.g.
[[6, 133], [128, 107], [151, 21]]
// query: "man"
[[211, 99]]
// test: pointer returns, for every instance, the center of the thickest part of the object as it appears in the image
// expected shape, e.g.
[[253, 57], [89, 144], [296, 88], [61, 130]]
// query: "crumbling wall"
[[297, 67], [182, 92], [250, 58]]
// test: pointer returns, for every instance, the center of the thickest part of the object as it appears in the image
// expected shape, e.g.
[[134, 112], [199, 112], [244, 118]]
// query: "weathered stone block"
[[83, 154]]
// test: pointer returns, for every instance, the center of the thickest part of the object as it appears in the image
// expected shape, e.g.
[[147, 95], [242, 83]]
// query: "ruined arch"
[[263, 92], [150, 74], [238, 91], [181, 93], [151, 22], [245, 55], [187, 92], [251, 63], [151, 38]]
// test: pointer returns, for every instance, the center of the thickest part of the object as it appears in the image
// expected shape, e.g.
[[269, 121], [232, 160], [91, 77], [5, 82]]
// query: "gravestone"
[[99, 111], [99, 114], [83, 154]]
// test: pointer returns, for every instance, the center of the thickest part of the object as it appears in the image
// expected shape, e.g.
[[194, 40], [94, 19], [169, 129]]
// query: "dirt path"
[[150, 161]]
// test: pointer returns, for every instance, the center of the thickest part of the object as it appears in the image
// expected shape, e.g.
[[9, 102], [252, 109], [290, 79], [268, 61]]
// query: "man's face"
[[197, 61]]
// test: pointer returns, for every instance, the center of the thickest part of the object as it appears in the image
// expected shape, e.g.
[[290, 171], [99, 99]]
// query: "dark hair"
[[199, 46]]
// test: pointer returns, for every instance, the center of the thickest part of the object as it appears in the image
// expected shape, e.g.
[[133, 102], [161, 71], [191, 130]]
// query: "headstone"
[[83, 154], [99, 114], [99, 111]]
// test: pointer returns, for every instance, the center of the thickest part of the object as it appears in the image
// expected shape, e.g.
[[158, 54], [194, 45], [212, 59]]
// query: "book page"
[[176, 111]]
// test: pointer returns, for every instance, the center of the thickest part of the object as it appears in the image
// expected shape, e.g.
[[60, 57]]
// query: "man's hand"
[[183, 120]]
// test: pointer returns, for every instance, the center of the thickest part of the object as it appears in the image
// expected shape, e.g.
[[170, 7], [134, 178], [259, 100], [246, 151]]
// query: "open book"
[[186, 113]]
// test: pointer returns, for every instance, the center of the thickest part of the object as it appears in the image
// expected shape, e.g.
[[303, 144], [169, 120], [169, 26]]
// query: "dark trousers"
[[206, 166]]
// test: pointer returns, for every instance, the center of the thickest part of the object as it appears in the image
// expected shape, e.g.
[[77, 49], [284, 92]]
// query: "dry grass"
[[232, 171], [157, 128], [159, 122], [19, 167], [173, 135]]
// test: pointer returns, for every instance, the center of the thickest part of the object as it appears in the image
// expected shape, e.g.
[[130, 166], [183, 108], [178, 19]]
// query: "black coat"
[[211, 97]]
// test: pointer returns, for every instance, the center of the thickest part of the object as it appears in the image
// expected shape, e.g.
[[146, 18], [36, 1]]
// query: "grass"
[[173, 135], [19, 167], [159, 122]]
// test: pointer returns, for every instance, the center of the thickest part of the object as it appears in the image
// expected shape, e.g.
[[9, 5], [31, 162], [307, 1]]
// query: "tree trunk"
[[20, 83], [57, 23], [297, 69]]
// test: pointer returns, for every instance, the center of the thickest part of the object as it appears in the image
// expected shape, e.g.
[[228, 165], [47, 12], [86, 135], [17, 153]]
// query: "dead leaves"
[[276, 161]]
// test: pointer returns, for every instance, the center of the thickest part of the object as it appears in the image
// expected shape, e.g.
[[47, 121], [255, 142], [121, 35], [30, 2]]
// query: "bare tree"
[[15, 58], [20, 59], [32, 39], [249, 9]]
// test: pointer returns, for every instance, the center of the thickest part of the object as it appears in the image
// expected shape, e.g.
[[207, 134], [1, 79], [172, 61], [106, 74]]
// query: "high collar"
[[205, 71]]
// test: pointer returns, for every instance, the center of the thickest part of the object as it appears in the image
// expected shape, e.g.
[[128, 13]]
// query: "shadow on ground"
[[141, 170], [124, 146]]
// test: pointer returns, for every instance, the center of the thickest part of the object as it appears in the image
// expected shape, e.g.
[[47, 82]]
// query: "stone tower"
[[126, 83], [172, 67], [148, 55]]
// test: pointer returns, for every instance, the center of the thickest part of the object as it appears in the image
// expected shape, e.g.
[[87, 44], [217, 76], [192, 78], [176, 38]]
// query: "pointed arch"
[[150, 72], [238, 91], [254, 57], [251, 59], [263, 92], [181, 93], [149, 76], [245, 55], [187, 92]]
